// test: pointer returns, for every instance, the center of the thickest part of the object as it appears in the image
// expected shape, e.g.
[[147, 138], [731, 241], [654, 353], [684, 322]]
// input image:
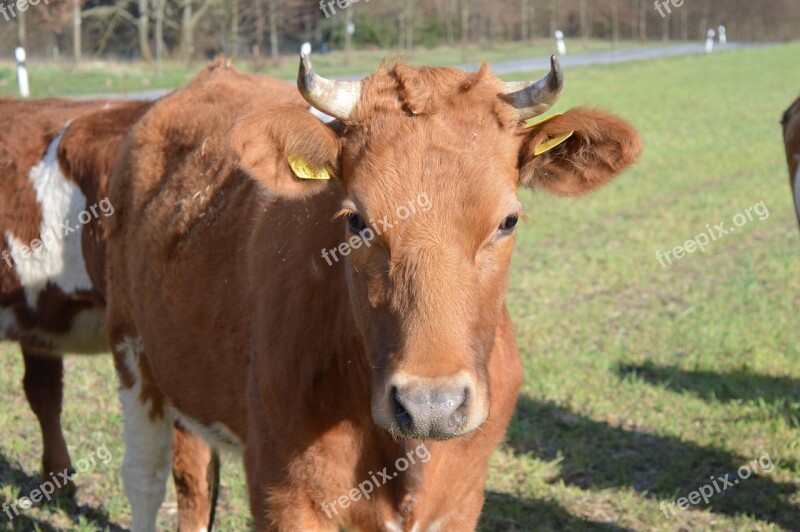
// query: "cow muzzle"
[[430, 408]]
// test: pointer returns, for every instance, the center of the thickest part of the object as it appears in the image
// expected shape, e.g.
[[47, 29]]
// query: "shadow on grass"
[[508, 513], [780, 395], [12, 475], [596, 456]]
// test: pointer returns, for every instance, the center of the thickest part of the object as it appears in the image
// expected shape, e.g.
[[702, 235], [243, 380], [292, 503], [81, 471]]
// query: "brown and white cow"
[[791, 137], [56, 156], [224, 311]]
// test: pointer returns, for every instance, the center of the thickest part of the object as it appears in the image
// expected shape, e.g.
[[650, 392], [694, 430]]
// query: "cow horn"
[[336, 98], [533, 99]]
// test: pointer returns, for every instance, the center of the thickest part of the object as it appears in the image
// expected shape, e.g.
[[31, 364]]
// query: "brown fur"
[[244, 325], [86, 154], [791, 137]]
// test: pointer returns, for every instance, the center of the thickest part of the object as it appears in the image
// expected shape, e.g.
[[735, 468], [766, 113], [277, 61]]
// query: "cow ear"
[[577, 152], [287, 150]]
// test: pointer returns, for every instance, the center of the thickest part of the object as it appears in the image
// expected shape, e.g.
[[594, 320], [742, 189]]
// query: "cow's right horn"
[[336, 98]]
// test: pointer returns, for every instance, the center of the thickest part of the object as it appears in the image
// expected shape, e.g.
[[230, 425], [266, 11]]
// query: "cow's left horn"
[[533, 99], [336, 98]]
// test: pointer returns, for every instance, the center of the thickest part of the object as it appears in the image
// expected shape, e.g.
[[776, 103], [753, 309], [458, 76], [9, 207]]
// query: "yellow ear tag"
[[552, 143], [303, 170], [543, 121]]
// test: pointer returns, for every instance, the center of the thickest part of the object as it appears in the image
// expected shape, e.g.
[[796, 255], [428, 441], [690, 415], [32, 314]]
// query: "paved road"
[[539, 63], [608, 57]]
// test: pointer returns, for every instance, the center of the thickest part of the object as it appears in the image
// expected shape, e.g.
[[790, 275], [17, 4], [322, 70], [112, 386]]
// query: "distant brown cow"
[[392, 360], [791, 137], [56, 156]]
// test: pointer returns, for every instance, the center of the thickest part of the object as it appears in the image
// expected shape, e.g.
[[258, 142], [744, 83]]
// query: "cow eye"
[[356, 223], [509, 223]]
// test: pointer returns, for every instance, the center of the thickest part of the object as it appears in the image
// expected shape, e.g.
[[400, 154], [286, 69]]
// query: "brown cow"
[[387, 371], [791, 137], [56, 157]]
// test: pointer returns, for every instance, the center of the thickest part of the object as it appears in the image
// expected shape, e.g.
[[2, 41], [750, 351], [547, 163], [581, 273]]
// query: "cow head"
[[428, 162]]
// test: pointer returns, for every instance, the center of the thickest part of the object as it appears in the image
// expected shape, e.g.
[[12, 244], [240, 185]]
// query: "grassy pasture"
[[642, 382]]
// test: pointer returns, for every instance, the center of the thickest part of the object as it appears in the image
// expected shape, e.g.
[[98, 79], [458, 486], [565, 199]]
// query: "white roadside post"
[[723, 38], [710, 41], [22, 72], [562, 46]]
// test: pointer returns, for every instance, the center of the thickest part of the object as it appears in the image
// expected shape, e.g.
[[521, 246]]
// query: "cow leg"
[[43, 383], [195, 469], [148, 436]]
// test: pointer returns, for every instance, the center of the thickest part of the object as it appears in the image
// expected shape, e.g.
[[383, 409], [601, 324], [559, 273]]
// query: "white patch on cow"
[[394, 526], [148, 446], [437, 525], [61, 260], [322, 116], [216, 434], [86, 335]]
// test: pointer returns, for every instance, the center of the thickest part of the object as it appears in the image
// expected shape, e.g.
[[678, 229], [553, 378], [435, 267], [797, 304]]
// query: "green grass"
[[103, 77], [641, 381]]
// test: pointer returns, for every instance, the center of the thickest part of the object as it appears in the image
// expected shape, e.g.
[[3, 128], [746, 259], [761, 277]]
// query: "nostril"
[[401, 415], [459, 406]]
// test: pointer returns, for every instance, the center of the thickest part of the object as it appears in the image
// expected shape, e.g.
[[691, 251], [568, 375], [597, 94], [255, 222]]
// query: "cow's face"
[[429, 162]]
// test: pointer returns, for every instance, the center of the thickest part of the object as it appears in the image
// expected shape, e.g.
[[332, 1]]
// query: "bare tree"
[[465, 5], [144, 32], [159, 35], [348, 37], [273, 29], [235, 29], [584, 19], [76, 31], [189, 19], [21, 40], [614, 21]]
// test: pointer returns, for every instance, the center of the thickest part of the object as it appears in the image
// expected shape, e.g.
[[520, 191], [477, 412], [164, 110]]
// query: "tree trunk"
[[76, 31], [524, 24], [643, 6], [187, 30], [553, 17], [665, 28], [615, 23], [409, 7], [159, 35], [234, 29], [261, 25], [464, 28], [452, 8], [144, 33], [21, 37], [584, 20], [685, 24], [348, 39], [273, 29]]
